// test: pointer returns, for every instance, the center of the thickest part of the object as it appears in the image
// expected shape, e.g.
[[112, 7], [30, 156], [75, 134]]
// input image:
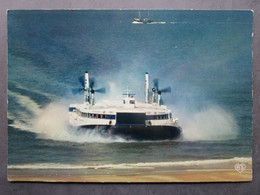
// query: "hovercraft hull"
[[136, 132]]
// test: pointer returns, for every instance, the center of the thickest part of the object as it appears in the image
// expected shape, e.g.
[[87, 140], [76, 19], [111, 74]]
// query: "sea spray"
[[23, 119], [210, 123], [53, 123]]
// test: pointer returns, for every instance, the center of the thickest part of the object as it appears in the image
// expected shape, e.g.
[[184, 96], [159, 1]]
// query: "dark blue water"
[[205, 56]]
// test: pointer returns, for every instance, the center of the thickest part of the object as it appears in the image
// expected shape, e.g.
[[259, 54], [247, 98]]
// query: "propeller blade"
[[156, 83], [166, 90], [101, 90], [77, 90], [82, 81], [91, 83]]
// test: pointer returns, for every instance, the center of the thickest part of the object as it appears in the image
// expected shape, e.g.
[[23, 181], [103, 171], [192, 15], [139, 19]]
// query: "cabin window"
[[71, 109], [84, 114], [123, 101], [132, 102], [156, 117], [89, 115], [130, 118], [110, 116], [150, 117]]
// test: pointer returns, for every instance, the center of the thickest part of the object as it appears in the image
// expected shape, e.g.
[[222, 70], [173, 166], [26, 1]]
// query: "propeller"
[[77, 90], [82, 81], [91, 83], [165, 90], [156, 83], [91, 86], [100, 90], [156, 89]]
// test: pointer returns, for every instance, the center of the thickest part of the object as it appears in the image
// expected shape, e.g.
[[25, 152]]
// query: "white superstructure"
[[127, 116]]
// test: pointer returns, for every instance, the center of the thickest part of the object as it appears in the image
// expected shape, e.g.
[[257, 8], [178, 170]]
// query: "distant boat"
[[139, 20]]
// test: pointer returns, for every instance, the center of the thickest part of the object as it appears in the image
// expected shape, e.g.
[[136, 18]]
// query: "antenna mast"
[[146, 88], [86, 87]]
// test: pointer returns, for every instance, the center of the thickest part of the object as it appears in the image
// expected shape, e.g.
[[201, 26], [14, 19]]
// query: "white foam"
[[25, 101], [148, 165], [53, 123], [158, 23], [22, 119], [211, 123]]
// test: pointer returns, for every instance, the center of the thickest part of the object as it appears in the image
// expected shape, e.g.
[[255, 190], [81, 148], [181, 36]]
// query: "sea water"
[[204, 56]]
